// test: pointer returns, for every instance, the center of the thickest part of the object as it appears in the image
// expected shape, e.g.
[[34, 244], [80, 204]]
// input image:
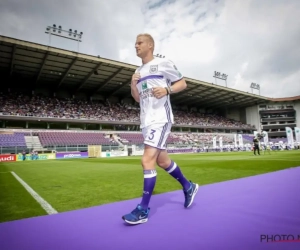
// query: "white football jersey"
[[159, 72]]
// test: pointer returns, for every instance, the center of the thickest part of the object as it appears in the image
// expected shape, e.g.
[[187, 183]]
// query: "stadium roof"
[[285, 99], [62, 69]]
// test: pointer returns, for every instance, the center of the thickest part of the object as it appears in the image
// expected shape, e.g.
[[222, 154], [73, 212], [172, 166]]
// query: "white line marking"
[[47, 207]]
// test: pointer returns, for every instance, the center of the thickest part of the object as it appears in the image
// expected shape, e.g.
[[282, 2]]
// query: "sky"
[[249, 40]]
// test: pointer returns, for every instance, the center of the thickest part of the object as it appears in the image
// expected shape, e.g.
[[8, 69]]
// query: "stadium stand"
[[89, 98], [73, 139], [55, 138], [82, 138], [13, 140], [131, 138], [17, 104]]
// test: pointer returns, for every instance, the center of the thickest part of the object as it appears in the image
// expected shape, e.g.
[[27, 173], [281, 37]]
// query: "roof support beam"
[[236, 102], [184, 92], [225, 99], [42, 67], [207, 100], [252, 102], [13, 53], [66, 73], [119, 88], [108, 80], [183, 99], [88, 77]]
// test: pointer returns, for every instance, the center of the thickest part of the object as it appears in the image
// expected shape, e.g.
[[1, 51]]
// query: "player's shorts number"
[[151, 136]]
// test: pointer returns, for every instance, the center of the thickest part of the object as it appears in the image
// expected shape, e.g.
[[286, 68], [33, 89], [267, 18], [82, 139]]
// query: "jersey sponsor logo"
[[146, 92], [144, 85], [153, 69]]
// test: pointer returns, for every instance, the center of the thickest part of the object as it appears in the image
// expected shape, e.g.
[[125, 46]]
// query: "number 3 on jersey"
[[151, 136]]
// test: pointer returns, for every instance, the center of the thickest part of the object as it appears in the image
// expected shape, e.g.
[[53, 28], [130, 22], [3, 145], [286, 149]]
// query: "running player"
[[151, 86]]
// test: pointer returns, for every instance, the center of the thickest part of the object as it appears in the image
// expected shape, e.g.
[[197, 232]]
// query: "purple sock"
[[175, 171], [149, 184]]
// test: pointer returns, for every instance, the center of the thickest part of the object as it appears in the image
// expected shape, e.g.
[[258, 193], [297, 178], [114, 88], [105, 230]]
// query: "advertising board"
[[72, 155], [39, 157], [114, 153], [7, 158]]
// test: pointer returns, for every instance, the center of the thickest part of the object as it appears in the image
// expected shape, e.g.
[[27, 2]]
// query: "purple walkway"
[[228, 215]]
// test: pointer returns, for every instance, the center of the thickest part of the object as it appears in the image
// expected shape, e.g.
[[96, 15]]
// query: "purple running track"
[[227, 215]]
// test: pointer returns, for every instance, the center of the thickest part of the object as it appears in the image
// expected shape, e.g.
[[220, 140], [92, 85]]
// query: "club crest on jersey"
[[153, 69]]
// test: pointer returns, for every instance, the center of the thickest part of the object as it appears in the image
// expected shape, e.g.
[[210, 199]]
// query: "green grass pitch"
[[80, 183]]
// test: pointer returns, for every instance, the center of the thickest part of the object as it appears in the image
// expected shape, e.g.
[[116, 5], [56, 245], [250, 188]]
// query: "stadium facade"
[[29, 69]]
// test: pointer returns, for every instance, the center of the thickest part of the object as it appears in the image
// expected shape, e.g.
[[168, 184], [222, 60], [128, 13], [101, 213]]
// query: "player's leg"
[[172, 168], [149, 165], [258, 150], [190, 189], [141, 212]]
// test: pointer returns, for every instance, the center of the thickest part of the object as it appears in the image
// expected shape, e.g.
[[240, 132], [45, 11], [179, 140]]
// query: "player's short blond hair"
[[150, 38]]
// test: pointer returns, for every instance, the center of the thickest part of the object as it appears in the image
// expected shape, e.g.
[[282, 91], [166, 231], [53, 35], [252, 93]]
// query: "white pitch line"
[[47, 207]]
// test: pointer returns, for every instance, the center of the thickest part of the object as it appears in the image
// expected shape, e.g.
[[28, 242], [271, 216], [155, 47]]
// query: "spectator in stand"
[[21, 105]]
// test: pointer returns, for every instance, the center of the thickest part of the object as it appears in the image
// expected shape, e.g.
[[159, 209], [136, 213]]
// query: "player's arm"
[[178, 86], [135, 93], [171, 73], [134, 90], [178, 83]]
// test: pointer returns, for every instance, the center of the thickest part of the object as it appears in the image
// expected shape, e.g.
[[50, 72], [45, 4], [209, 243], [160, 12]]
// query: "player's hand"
[[159, 92], [135, 78]]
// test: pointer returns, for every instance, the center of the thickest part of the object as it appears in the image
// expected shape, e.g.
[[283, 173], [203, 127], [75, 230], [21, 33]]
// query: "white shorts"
[[156, 135]]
